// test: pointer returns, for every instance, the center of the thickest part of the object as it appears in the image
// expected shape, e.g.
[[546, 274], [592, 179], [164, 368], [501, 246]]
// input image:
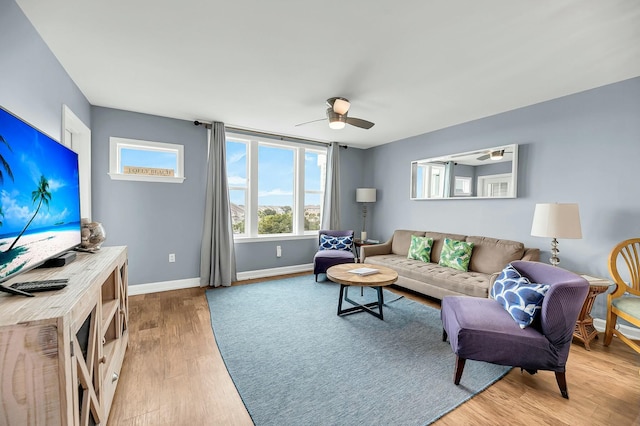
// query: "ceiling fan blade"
[[308, 122], [359, 122], [483, 157]]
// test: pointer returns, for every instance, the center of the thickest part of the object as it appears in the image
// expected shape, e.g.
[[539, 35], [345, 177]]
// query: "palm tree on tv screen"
[[42, 196], [4, 163]]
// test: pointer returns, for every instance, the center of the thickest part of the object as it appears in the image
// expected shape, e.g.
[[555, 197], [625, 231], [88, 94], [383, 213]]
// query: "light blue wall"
[[33, 84], [153, 219], [583, 148]]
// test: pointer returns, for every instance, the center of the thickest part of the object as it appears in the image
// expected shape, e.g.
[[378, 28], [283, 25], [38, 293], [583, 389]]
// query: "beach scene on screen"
[[39, 201]]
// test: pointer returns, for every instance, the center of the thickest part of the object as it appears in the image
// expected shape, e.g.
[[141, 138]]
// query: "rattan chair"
[[624, 302]]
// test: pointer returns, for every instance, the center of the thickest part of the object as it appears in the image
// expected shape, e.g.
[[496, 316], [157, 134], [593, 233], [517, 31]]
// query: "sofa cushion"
[[518, 296], [438, 241], [402, 241], [470, 283], [456, 254], [491, 255], [420, 248]]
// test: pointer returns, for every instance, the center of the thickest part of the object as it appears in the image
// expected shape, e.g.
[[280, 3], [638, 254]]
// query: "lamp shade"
[[556, 221], [365, 195]]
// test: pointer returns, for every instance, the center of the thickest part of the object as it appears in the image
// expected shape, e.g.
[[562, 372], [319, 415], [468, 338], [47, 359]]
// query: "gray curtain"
[[331, 208], [217, 255], [449, 179]]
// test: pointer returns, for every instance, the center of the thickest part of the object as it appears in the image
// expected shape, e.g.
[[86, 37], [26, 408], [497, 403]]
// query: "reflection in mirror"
[[485, 173]]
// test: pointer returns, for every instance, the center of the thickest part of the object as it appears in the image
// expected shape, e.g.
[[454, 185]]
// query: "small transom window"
[[132, 159]]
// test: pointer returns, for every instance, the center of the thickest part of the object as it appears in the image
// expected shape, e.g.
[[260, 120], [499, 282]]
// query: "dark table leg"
[[344, 294]]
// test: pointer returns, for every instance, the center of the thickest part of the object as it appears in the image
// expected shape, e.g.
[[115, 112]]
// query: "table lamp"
[[554, 221], [364, 196]]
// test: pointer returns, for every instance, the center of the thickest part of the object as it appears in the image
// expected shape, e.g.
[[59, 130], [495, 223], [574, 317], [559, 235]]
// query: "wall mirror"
[[484, 173]]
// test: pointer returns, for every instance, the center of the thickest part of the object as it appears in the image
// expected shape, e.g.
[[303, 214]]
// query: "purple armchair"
[[482, 330], [328, 257]]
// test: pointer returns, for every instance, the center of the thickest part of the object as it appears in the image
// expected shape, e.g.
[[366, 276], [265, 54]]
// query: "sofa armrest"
[[532, 254], [375, 249]]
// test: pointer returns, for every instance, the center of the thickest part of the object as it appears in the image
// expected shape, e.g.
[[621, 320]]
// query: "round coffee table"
[[344, 275]]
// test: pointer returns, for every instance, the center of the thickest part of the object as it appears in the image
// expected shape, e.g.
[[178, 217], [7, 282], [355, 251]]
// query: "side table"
[[585, 331], [359, 243]]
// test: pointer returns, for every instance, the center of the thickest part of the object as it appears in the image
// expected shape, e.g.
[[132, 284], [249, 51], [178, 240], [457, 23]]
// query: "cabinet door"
[[114, 330], [86, 362], [29, 367]]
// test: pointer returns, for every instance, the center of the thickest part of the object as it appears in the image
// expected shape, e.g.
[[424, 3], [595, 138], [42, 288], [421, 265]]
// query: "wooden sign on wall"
[[149, 171]]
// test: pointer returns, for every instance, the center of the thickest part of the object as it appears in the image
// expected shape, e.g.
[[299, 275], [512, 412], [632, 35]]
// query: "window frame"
[[253, 142], [116, 144], [466, 183], [486, 180]]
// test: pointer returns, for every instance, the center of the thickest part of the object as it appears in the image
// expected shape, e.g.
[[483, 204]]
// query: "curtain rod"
[[266, 134]]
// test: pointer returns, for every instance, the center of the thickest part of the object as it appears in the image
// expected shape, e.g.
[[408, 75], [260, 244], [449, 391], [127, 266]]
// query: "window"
[[275, 188], [131, 159], [429, 181], [463, 185], [495, 185]]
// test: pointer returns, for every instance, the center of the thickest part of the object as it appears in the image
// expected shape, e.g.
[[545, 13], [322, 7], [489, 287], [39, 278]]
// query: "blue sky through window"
[[275, 174], [146, 158]]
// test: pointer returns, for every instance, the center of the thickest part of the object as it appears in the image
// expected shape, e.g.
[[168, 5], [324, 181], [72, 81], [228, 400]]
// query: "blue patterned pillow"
[[328, 242], [509, 272], [518, 296]]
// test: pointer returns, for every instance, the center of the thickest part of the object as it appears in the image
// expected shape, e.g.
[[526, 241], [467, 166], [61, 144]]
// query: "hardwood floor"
[[173, 374]]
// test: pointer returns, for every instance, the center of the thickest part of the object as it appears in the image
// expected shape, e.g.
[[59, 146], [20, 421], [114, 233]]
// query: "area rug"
[[295, 362]]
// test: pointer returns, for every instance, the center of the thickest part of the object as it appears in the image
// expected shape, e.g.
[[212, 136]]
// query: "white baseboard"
[[195, 282], [631, 332], [163, 286], [272, 272]]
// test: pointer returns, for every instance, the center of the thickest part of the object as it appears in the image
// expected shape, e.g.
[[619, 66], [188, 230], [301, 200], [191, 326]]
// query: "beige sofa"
[[489, 256]]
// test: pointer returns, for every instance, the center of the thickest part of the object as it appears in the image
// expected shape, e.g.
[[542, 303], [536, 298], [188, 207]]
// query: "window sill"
[[143, 178], [288, 237]]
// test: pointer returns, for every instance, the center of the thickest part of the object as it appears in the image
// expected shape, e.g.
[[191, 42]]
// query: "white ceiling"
[[410, 66]]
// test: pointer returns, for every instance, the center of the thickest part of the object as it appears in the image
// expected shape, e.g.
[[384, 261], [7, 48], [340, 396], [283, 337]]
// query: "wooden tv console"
[[61, 351]]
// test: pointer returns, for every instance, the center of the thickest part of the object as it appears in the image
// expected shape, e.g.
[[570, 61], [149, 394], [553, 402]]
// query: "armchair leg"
[[316, 277], [612, 319], [562, 384], [458, 372]]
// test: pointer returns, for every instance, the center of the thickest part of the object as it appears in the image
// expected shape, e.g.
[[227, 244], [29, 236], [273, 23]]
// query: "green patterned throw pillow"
[[456, 254], [420, 248]]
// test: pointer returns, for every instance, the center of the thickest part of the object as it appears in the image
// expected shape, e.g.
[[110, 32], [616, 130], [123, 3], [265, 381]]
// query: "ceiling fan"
[[337, 111], [494, 155]]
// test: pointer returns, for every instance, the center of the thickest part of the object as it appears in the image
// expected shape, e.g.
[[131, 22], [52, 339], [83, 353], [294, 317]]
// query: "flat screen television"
[[39, 197]]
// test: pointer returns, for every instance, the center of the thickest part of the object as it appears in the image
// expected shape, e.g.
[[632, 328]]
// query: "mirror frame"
[[445, 162]]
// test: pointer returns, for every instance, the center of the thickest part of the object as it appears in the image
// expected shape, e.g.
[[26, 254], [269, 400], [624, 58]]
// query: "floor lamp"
[[364, 196], [556, 221]]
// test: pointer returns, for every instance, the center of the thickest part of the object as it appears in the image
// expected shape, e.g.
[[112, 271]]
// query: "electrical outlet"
[[278, 251], [172, 257]]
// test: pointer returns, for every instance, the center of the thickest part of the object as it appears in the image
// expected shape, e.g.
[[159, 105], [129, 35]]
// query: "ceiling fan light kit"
[[337, 115], [339, 105], [336, 121], [496, 155]]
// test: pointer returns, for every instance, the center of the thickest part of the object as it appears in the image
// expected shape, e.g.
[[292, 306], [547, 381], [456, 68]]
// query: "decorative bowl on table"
[[93, 235]]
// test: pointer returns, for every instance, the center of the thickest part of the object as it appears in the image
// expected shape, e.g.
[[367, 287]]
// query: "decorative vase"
[[93, 235]]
